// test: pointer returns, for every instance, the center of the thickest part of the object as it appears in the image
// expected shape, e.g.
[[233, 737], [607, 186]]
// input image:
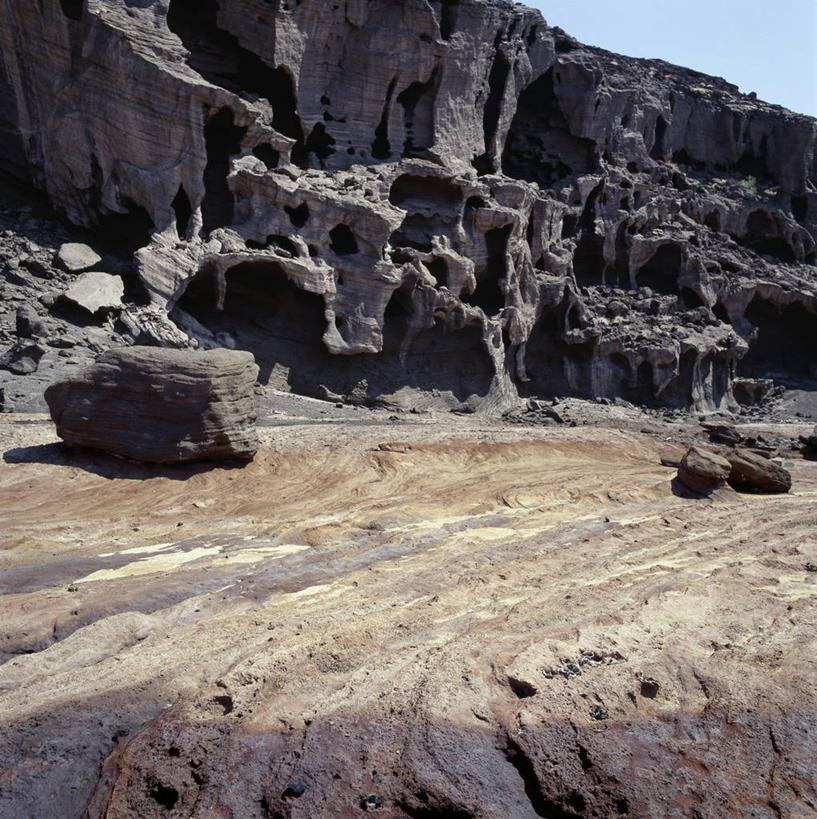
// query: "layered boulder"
[[160, 406], [702, 470]]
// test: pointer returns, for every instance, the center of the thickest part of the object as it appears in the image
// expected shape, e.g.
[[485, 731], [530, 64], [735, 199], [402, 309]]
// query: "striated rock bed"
[[447, 199], [413, 619]]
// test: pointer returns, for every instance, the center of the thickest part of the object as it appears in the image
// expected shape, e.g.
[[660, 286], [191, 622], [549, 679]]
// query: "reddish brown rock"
[[751, 472], [702, 471]]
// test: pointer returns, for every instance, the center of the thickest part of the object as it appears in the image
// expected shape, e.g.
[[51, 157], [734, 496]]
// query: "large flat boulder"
[[161, 406], [96, 291]]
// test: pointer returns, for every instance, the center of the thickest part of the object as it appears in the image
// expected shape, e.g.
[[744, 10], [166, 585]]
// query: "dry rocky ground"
[[417, 615]]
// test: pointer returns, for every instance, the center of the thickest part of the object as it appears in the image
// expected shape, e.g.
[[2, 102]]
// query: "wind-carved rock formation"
[[444, 195]]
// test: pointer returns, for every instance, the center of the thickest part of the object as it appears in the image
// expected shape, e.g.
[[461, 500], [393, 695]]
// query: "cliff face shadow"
[[283, 327], [111, 466]]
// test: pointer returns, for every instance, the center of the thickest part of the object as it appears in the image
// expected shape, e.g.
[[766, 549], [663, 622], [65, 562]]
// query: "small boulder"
[[28, 323], [23, 358], [76, 258], [96, 291], [160, 406], [722, 432], [750, 472], [702, 471], [810, 442]]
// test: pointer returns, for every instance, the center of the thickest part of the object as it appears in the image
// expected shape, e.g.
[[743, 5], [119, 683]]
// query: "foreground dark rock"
[[160, 406]]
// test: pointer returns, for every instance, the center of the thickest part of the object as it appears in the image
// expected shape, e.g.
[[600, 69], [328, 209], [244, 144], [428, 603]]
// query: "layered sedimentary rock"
[[160, 406], [446, 196]]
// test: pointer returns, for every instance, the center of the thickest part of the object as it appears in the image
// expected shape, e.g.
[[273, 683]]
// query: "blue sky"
[[769, 48]]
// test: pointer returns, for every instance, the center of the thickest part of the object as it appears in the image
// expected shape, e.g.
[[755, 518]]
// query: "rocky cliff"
[[445, 195]]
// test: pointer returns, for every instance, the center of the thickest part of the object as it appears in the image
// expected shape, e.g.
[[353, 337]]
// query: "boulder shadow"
[[681, 490], [111, 466]]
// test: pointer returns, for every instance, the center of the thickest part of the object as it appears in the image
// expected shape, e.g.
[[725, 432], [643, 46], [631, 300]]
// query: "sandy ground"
[[424, 616]]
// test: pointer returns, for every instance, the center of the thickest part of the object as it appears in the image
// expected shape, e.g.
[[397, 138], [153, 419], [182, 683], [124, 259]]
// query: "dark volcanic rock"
[[751, 472], [702, 471], [160, 406]]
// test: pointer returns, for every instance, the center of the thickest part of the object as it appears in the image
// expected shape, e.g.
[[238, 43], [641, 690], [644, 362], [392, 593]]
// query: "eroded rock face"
[[160, 406], [445, 196]]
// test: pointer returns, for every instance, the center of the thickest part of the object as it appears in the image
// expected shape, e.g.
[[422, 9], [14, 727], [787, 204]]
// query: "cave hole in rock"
[[691, 299], [267, 314], [319, 142], [752, 164], [72, 8], [540, 147], [218, 56], [299, 216], [720, 313], [657, 150], [437, 358], [678, 393], [682, 157], [268, 155], [282, 325], [184, 212], [223, 140], [439, 270], [448, 18], [761, 237], [661, 272], [440, 192], [381, 147], [786, 343], [588, 260], [799, 208], [712, 220], [497, 80], [129, 231], [588, 218], [644, 382], [164, 795], [277, 241], [432, 207], [417, 101], [570, 223], [488, 294], [342, 241], [551, 370]]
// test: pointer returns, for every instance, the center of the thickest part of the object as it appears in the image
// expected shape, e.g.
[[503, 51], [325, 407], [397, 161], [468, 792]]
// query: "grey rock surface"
[[160, 406], [76, 257], [95, 291]]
